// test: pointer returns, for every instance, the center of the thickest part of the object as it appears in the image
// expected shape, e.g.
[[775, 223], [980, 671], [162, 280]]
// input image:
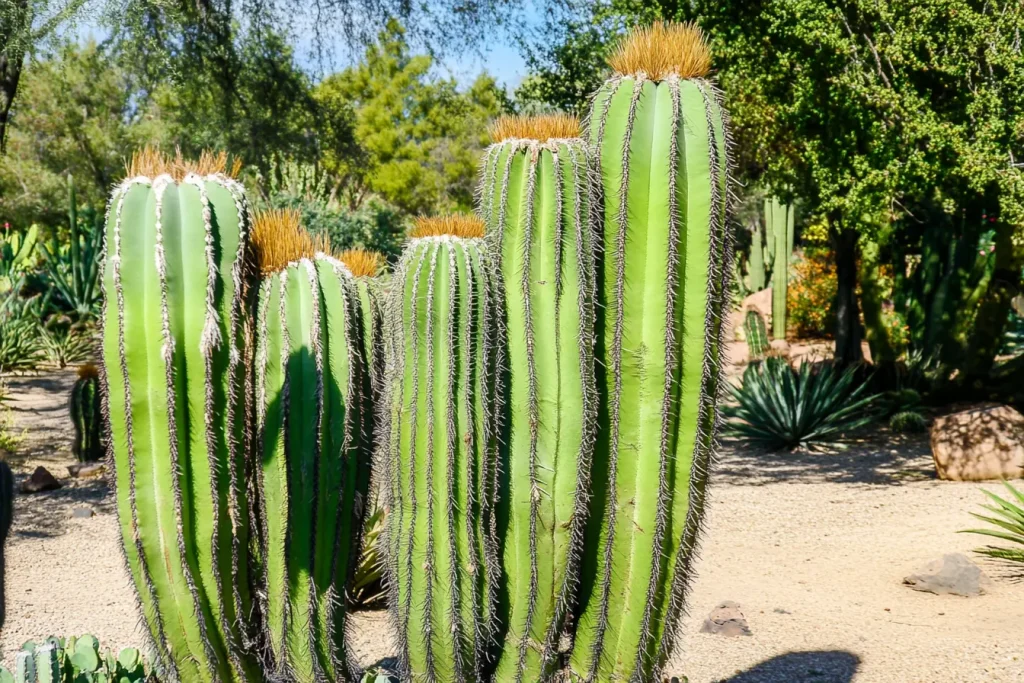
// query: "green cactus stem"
[[780, 221], [440, 452], [366, 267], [314, 423], [661, 135], [536, 199], [172, 350], [87, 415], [756, 263], [756, 333]]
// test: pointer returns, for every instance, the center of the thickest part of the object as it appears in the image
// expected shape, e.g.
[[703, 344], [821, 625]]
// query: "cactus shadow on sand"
[[817, 666]]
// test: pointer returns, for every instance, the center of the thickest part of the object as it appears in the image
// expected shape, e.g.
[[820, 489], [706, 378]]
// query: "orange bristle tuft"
[[88, 371], [362, 262], [455, 225], [151, 162], [663, 49], [540, 128], [279, 239]]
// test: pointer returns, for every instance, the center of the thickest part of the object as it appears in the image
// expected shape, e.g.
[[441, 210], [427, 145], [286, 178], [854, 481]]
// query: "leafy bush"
[[778, 407], [1007, 516], [20, 343], [908, 422], [810, 297]]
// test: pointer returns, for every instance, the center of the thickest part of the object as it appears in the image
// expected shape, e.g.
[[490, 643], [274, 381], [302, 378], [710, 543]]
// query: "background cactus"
[[74, 660], [87, 415], [779, 219], [660, 132], [536, 200], [315, 429], [756, 333], [176, 234], [756, 263], [439, 449]]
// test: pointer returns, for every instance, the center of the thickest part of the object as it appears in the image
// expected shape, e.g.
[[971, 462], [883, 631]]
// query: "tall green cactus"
[[779, 221], [661, 135], [366, 267], [172, 349], [756, 263], [86, 415], [314, 422], [439, 449], [536, 200]]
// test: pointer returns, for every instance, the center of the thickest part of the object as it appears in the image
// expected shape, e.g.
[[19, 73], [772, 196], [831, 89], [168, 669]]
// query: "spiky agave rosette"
[[536, 198], [315, 429], [176, 235], [439, 450], [660, 133]]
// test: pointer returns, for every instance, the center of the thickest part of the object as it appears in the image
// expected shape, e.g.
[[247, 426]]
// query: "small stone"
[[954, 574], [41, 480], [84, 470], [780, 347], [726, 620], [83, 513]]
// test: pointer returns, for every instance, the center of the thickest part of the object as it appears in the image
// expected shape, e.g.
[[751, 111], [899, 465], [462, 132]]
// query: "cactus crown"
[[462, 225], [88, 371], [151, 162], [663, 49], [362, 262], [279, 239], [540, 128]]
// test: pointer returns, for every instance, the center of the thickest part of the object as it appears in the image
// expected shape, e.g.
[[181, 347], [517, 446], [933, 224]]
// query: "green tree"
[[417, 139]]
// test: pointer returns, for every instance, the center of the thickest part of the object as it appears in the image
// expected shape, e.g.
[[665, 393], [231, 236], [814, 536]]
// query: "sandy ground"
[[813, 547]]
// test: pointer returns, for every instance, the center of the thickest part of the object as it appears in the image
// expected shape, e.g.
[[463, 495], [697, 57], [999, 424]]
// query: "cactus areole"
[[172, 349], [439, 450], [536, 199], [660, 133]]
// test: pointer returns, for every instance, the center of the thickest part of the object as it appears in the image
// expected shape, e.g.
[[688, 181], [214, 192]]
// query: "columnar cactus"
[[314, 423], [780, 224], [756, 333], [439, 448], [366, 267], [661, 135], [176, 234], [86, 415], [536, 200], [756, 262]]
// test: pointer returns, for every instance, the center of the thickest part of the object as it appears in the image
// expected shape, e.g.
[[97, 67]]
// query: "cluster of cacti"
[[660, 137], [173, 348], [545, 394], [779, 227], [75, 660], [536, 200], [86, 411], [314, 425], [439, 447], [756, 334]]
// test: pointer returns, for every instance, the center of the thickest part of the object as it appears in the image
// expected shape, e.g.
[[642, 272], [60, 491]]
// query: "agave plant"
[[1007, 516], [778, 407], [367, 586]]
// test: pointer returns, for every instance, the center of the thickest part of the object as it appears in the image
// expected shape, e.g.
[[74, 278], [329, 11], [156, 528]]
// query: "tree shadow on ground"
[[45, 514], [878, 457], [819, 666]]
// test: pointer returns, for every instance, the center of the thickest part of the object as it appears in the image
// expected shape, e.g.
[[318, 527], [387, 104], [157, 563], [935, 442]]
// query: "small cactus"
[[908, 422], [86, 415], [74, 660], [756, 333]]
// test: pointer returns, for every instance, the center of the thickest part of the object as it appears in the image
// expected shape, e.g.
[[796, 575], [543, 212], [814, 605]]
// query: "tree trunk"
[[848, 334], [993, 310], [12, 58]]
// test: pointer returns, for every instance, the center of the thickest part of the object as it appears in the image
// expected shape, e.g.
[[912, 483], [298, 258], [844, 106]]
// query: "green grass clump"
[[1006, 515], [908, 422]]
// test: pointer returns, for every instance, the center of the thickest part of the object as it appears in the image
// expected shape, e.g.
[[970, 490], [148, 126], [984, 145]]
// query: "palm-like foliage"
[[1007, 518], [777, 407]]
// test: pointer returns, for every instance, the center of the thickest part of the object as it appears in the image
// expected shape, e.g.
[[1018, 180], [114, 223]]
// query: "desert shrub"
[[810, 298], [20, 343], [64, 342], [777, 407], [1006, 517], [908, 422]]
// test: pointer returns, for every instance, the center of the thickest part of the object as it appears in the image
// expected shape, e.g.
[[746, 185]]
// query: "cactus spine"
[[440, 452], [536, 199], [756, 333], [172, 349], [86, 415], [314, 423], [660, 132]]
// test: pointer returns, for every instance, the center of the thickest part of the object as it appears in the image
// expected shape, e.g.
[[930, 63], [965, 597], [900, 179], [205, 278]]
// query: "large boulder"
[[760, 302], [983, 442]]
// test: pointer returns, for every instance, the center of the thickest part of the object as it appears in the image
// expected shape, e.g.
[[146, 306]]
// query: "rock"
[[983, 442], [41, 480], [760, 302], [954, 574], [780, 347], [86, 469], [83, 513], [726, 620]]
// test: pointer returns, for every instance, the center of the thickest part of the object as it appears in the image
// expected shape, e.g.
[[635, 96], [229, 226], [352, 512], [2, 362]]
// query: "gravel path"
[[813, 548]]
